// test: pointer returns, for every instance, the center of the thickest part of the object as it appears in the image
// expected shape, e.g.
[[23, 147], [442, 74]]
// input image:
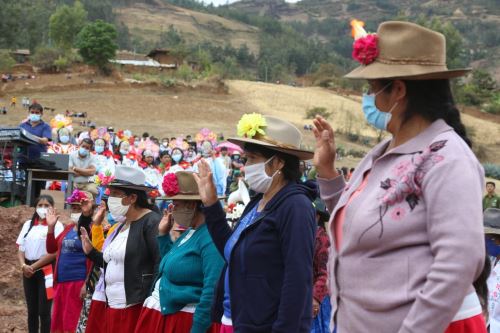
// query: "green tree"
[[6, 61], [45, 58], [66, 23], [97, 44]]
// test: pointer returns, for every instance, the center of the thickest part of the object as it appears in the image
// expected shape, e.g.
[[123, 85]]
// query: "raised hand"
[[99, 215], [51, 218], [166, 223], [206, 185], [87, 208], [324, 154], [86, 243]]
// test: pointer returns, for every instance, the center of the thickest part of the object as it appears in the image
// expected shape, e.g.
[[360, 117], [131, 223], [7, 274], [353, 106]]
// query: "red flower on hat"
[[170, 185], [77, 197], [154, 194], [365, 49]]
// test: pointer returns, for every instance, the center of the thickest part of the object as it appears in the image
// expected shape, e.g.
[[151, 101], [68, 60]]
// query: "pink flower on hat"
[[365, 49], [170, 185]]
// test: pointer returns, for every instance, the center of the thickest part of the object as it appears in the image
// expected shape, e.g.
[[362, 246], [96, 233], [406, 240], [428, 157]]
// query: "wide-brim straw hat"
[[491, 220], [408, 51], [187, 188], [277, 134], [130, 178]]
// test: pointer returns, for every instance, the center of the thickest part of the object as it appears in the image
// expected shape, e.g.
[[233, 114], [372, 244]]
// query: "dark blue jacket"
[[270, 274]]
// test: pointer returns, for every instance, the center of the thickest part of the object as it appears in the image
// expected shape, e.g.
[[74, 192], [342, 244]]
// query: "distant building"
[[21, 55], [156, 60]]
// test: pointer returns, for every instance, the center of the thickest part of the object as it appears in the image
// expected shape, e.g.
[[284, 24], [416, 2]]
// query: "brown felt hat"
[[188, 188], [408, 51], [280, 135]]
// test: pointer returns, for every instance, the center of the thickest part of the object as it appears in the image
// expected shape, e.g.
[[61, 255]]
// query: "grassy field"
[[147, 22]]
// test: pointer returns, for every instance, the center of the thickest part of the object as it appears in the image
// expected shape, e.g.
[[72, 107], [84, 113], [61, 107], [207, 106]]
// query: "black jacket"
[[142, 258], [270, 274]]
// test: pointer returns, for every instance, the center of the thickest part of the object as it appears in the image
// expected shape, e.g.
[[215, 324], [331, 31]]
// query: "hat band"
[[267, 139], [409, 61], [125, 182]]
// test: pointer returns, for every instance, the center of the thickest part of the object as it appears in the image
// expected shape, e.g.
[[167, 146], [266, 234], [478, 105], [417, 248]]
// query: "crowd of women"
[[397, 248]]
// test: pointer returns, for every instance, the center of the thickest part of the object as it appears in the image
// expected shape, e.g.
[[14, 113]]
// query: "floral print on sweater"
[[406, 185]]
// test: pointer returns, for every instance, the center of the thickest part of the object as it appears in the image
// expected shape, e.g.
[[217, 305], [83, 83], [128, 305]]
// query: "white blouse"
[[33, 245], [114, 255]]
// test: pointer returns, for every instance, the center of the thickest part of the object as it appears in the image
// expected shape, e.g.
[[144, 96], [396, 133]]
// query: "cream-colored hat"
[[130, 177], [408, 51], [273, 133]]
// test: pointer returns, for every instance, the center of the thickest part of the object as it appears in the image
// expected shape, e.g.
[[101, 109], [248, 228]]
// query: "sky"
[[223, 2]]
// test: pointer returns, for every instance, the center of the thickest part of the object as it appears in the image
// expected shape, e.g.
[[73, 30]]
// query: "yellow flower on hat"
[[251, 124]]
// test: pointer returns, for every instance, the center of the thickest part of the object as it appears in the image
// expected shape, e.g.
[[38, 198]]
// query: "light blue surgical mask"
[[83, 152], [64, 139], [373, 115], [99, 149], [35, 117], [177, 157]]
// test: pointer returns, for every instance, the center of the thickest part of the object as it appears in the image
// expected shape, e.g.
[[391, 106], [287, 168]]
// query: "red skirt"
[[474, 324], [66, 307], [96, 323], [226, 329], [152, 321], [122, 320]]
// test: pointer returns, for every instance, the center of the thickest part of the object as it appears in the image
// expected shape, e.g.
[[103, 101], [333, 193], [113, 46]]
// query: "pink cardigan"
[[412, 240]]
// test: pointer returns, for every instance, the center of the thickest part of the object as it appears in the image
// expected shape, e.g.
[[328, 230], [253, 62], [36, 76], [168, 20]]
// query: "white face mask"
[[116, 208], [75, 217], [42, 212], [257, 178]]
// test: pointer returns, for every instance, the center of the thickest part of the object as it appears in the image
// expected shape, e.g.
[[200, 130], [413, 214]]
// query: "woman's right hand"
[[166, 223], [28, 271], [51, 218], [99, 215], [324, 154]]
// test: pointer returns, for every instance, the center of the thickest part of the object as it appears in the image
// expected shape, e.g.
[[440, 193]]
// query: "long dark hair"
[[172, 154], [142, 198], [291, 170], [35, 216], [432, 99]]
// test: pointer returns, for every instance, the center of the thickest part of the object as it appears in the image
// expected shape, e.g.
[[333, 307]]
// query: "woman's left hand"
[[83, 292], [86, 243]]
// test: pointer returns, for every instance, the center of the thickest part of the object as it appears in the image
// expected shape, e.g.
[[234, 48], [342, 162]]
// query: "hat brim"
[[491, 231], [132, 187], [303, 155], [186, 197], [378, 70]]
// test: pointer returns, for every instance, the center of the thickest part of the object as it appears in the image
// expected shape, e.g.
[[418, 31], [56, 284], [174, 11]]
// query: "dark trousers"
[[38, 305]]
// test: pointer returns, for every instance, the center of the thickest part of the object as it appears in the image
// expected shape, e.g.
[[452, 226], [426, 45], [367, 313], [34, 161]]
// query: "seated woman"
[[130, 259], [183, 293]]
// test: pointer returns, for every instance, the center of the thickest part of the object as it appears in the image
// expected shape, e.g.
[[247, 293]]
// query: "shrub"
[[168, 82], [494, 106], [6, 61], [492, 170], [353, 137], [318, 111], [61, 64], [356, 153], [185, 73], [45, 58]]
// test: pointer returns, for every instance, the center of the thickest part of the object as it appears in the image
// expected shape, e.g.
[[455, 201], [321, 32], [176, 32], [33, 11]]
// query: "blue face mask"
[[35, 117], [177, 157], [64, 139], [99, 149], [374, 116], [83, 152]]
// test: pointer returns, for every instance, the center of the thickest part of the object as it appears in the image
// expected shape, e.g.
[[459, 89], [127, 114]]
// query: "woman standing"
[[71, 265], [189, 269], [130, 259], [407, 246], [36, 265], [267, 286]]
